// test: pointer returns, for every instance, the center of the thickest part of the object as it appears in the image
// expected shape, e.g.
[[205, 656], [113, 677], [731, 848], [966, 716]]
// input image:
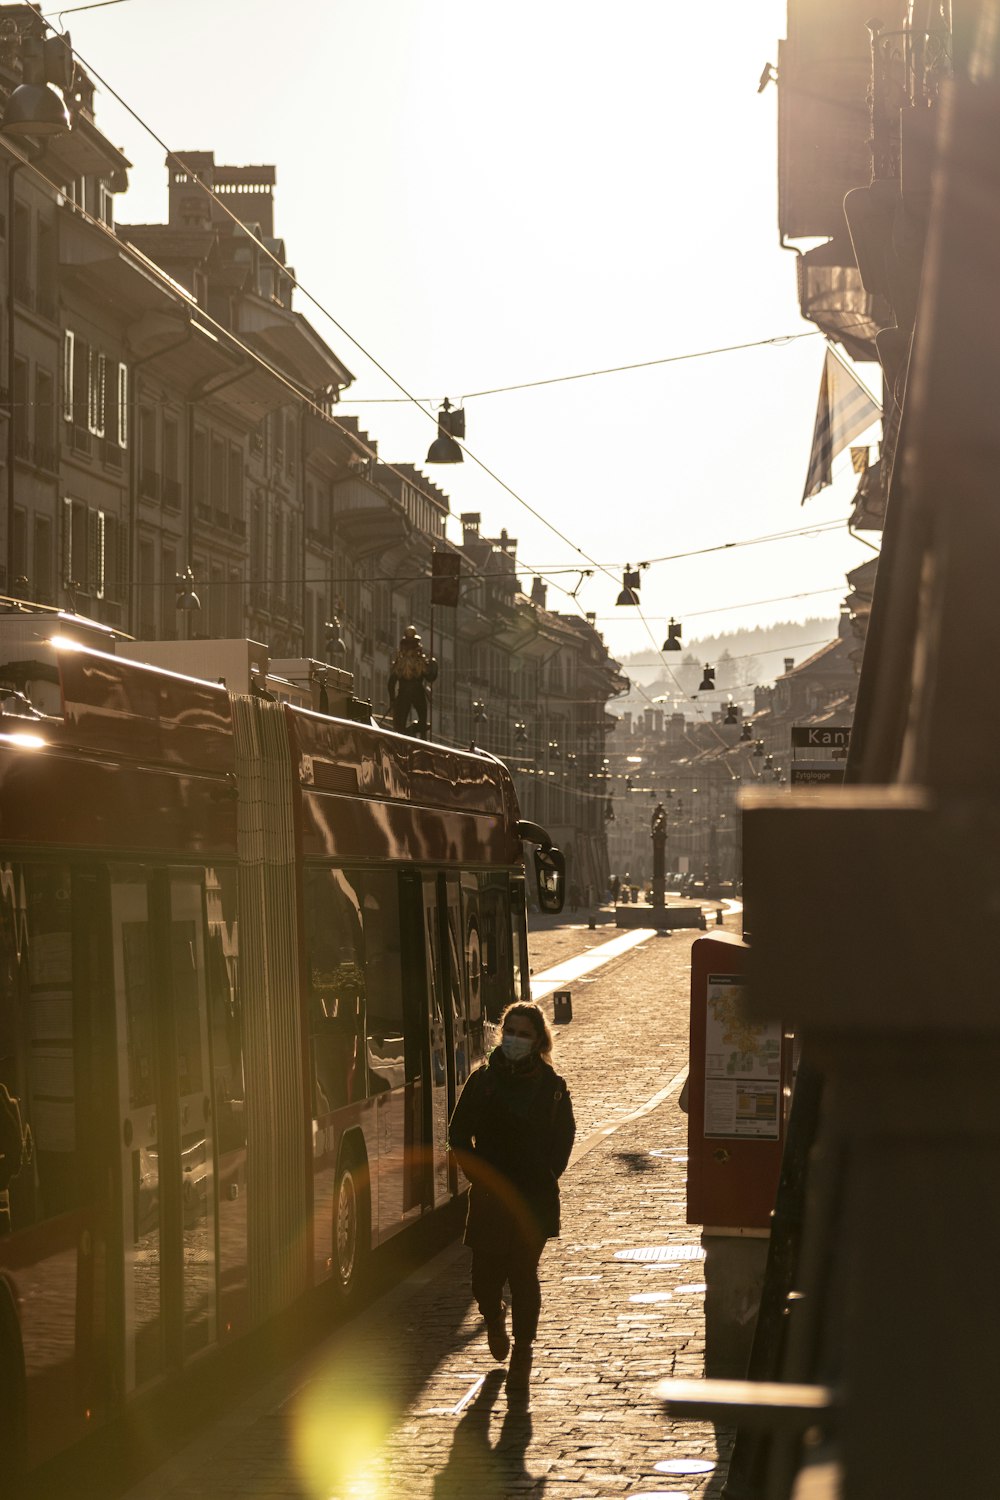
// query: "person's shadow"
[[477, 1468]]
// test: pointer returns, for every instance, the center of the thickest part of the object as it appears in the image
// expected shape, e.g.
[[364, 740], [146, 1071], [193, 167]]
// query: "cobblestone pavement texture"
[[405, 1401]]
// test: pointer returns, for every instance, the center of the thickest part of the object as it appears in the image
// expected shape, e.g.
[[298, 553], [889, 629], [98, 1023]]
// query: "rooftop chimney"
[[539, 592], [471, 520], [789, 663]]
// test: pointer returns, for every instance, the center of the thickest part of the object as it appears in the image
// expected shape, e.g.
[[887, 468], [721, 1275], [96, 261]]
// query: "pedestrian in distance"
[[512, 1133]]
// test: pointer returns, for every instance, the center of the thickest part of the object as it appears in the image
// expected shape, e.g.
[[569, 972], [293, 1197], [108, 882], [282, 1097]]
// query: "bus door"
[[519, 939], [473, 956], [436, 1099], [457, 1029], [168, 1242], [393, 1055]]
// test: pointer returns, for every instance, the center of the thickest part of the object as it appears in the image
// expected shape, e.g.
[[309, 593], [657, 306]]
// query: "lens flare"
[[340, 1422]]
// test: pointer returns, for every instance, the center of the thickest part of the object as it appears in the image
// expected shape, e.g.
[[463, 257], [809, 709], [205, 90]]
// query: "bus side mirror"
[[550, 874]]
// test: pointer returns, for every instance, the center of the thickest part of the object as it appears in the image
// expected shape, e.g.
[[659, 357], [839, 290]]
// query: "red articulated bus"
[[249, 954]]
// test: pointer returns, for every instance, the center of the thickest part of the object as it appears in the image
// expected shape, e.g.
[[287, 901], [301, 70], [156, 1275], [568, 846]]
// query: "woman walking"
[[512, 1132]]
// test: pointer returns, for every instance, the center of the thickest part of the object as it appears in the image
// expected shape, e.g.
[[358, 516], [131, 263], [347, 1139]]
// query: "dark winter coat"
[[512, 1132]]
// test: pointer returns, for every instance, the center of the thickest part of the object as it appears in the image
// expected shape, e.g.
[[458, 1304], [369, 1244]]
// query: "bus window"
[[335, 957], [225, 1015], [519, 941], [387, 1051], [465, 1060], [474, 960], [51, 1072], [498, 969], [37, 1023]]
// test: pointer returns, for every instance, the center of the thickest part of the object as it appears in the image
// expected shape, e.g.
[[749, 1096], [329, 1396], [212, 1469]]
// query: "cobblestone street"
[[405, 1401]]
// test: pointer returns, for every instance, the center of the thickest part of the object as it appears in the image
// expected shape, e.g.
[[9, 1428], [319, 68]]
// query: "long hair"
[[533, 1013]]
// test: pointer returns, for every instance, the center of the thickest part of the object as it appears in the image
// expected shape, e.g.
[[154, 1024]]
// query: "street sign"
[[816, 773], [820, 737]]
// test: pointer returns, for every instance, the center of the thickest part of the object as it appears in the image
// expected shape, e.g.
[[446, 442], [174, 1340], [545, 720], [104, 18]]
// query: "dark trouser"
[[410, 694], [518, 1264]]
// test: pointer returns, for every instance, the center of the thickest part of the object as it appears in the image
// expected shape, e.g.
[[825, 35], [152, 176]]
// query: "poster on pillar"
[[742, 1066]]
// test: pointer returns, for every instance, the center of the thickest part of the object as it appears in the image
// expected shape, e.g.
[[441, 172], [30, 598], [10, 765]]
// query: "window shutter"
[[67, 374], [123, 406], [123, 561], [100, 392], [67, 541], [94, 581]]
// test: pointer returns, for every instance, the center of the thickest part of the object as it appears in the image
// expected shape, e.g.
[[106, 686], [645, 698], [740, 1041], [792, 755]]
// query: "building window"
[[147, 591], [147, 452], [257, 542], [45, 395], [217, 603], [218, 475], [46, 294], [20, 550], [171, 463], [200, 465], [43, 591], [21, 253], [168, 595], [234, 605], [235, 480], [22, 410]]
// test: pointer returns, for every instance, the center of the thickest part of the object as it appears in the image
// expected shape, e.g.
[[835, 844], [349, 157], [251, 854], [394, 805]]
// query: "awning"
[[289, 339], [832, 296]]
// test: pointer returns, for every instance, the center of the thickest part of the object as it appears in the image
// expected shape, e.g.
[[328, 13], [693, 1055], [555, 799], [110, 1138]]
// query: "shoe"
[[496, 1336], [519, 1371]]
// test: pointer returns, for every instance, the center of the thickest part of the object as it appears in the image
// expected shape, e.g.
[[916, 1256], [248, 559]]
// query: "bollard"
[[718, 917], [592, 922], [562, 1006]]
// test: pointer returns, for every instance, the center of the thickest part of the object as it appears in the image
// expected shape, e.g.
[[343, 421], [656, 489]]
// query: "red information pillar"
[[736, 1115]]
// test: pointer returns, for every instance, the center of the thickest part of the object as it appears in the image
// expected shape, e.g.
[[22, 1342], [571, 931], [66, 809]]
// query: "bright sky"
[[491, 193]]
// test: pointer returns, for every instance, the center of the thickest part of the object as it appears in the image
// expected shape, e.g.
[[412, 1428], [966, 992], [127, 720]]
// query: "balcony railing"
[[908, 70]]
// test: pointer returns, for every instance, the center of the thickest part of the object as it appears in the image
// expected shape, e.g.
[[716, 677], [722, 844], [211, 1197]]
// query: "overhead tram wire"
[[721, 609], [817, 529], [778, 340]]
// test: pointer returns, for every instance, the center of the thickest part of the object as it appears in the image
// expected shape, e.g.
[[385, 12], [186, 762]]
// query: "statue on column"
[[658, 833], [410, 675]]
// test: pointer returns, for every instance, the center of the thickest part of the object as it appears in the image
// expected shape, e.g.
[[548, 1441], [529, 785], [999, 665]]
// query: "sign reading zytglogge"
[[820, 737], [817, 773]]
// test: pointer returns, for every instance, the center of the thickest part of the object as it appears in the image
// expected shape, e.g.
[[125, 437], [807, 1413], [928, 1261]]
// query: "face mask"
[[516, 1048]]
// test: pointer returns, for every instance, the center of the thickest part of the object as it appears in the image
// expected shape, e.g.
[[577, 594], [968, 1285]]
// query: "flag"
[[844, 409]]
